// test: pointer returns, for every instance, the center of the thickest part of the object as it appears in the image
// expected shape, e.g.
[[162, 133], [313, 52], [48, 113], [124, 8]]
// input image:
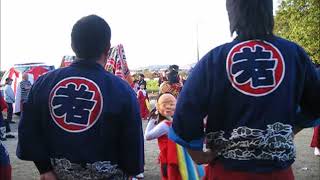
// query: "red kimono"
[[142, 97], [316, 138], [217, 171], [168, 158]]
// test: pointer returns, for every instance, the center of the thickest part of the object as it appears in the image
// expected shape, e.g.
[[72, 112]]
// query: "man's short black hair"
[[173, 68], [251, 19], [8, 79], [173, 77], [90, 36]]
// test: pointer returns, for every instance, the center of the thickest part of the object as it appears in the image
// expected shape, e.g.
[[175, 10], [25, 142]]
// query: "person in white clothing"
[[9, 97], [161, 117], [156, 129]]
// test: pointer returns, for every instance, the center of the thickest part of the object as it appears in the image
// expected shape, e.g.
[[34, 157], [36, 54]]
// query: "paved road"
[[306, 167]]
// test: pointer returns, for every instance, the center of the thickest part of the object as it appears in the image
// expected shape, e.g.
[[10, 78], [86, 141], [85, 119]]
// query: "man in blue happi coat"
[[81, 122]]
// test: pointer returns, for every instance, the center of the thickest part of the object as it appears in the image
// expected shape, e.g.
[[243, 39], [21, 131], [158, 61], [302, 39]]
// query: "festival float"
[[116, 63]]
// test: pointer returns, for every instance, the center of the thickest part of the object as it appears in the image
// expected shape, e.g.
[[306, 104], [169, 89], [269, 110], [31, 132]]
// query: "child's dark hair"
[[173, 74], [173, 77], [173, 67]]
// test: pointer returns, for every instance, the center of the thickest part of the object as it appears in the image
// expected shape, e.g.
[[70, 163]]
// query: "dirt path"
[[306, 167]]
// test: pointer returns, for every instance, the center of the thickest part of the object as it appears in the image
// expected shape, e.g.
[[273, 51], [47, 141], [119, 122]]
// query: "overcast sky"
[[151, 31]]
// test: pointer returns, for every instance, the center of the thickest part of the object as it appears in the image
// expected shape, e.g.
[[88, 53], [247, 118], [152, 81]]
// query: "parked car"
[[34, 70]]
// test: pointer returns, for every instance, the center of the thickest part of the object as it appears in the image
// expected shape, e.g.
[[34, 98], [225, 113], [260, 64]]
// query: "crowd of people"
[[169, 82], [6, 104], [234, 118], [8, 99]]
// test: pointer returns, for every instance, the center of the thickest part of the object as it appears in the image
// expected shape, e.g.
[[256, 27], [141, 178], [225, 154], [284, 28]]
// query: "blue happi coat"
[[84, 120], [250, 91], [4, 155]]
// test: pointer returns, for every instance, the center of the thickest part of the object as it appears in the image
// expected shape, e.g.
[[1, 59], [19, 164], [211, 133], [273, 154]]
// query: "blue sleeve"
[[4, 156], [32, 144], [303, 121], [192, 106], [131, 139], [310, 94], [2, 126]]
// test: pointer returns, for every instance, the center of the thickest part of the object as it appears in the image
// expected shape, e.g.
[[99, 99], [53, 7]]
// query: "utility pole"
[[197, 31]]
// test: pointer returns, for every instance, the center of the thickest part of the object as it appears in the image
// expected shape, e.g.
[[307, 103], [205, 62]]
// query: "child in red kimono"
[[142, 98], [175, 161], [158, 128]]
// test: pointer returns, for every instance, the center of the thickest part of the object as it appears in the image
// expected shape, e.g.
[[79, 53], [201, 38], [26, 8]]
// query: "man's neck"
[[102, 63], [99, 61]]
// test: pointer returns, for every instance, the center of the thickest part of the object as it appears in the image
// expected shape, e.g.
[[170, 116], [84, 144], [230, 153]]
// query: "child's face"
[[141, 86], [166, 105]]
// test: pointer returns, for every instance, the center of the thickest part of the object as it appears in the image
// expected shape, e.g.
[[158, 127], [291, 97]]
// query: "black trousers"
[[9, 117]]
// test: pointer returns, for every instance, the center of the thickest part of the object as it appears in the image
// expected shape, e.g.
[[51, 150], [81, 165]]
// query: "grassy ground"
[[306, 167]]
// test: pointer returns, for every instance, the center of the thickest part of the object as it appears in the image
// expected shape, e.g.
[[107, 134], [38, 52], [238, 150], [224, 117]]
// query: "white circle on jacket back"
[[255, 68], [75, 104]]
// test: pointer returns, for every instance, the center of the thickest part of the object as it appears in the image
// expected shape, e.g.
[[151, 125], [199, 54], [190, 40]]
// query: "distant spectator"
[[142, 81], [173, 67], [172, 85], [3, 106], [10, 99], [135, 85], [162, 77], [142, 96], [25, 86]]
